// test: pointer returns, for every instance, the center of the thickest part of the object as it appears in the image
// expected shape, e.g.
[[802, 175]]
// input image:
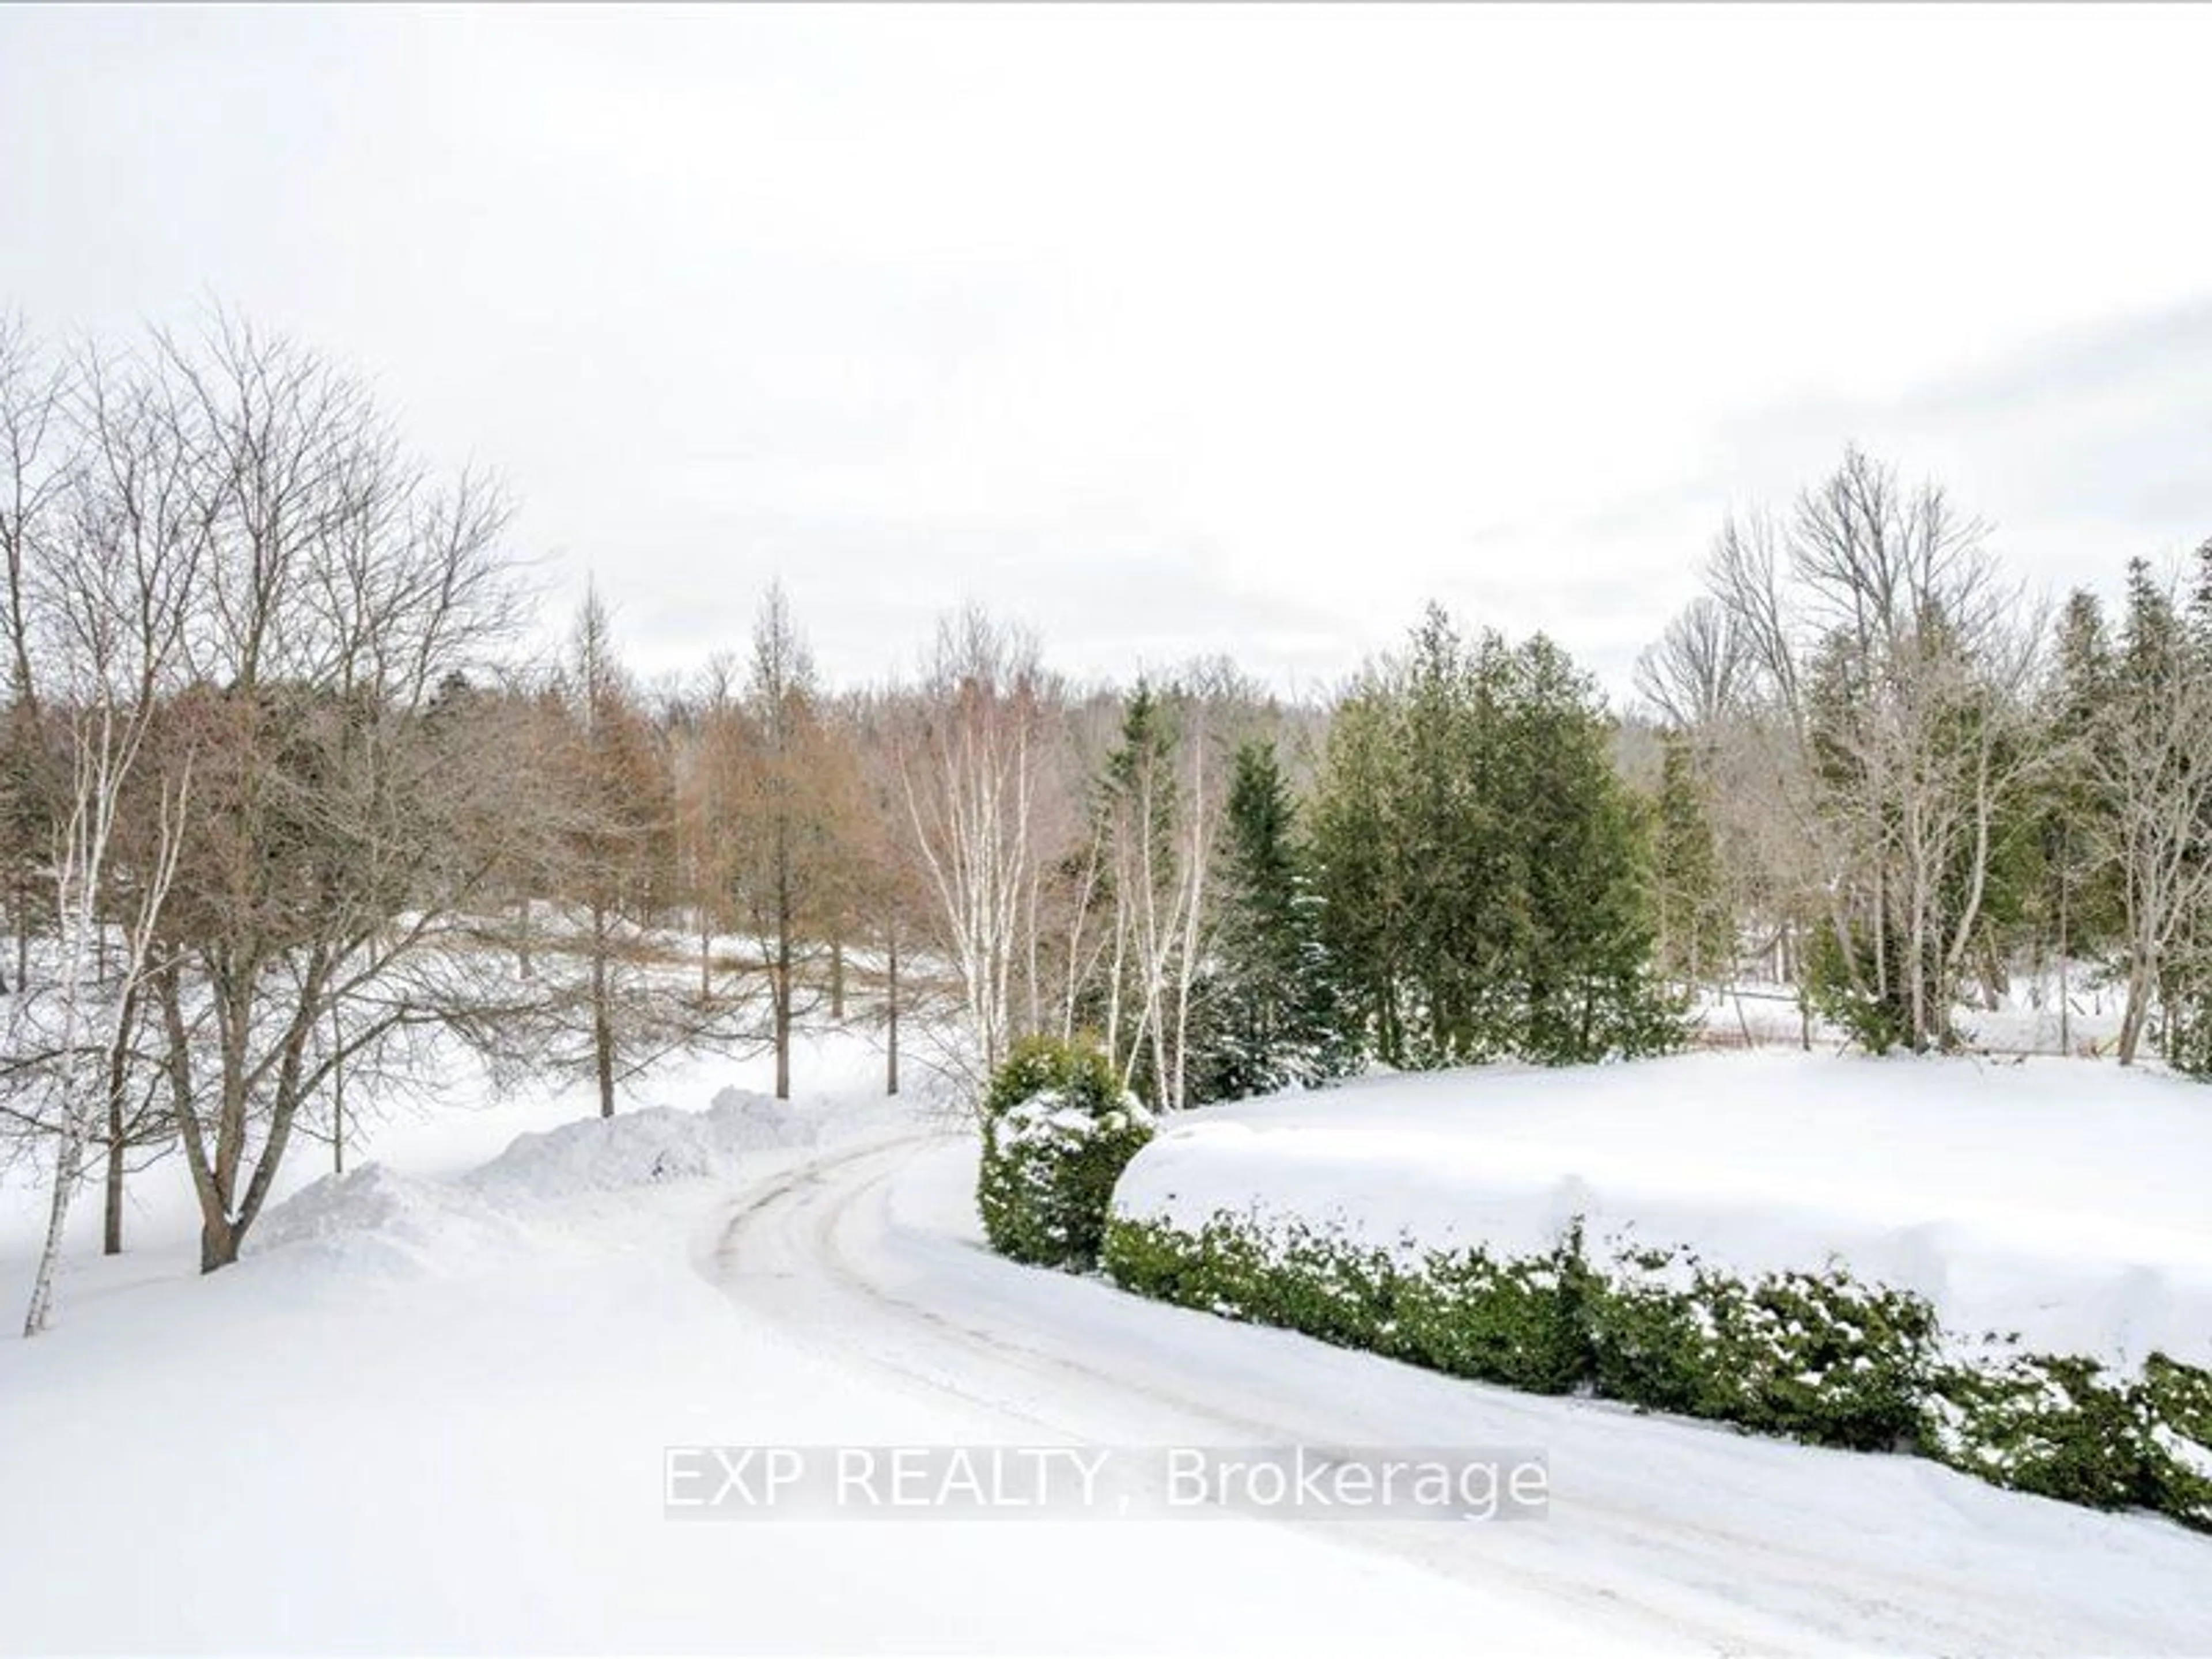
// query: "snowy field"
[[428, 1412], [2061, 1200]]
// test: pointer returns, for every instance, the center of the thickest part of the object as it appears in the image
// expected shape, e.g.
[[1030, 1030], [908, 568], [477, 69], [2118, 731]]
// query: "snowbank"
[[377, 1218], [644, 1148], [2059, 1201]]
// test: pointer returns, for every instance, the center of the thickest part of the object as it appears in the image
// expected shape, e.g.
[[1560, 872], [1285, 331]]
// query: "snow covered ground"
[[2062, 1200], [1765, 1014], [428, 1412], [1665, 1535]]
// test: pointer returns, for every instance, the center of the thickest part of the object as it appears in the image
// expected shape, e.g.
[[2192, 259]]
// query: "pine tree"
[[2200, 597], [1272, 1016], [2150, 636]]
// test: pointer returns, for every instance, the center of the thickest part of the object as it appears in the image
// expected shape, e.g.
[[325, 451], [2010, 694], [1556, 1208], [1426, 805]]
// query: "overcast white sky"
[[1172, 329]]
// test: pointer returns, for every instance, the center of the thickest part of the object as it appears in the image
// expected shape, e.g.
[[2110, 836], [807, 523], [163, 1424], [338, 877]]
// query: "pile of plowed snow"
[[376, 1216], [644, 1148], [2063, 1201]]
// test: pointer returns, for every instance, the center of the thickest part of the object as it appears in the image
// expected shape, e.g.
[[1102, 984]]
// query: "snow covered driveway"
[[1662, 1533]]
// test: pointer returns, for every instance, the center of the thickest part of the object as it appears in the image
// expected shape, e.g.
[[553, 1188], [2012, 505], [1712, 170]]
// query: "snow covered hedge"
[[1057, 1130], [2007, 1269], [1816, 1356]]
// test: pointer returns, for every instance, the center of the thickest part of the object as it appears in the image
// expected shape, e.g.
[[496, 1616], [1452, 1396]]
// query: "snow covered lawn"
[[2062, 1201]]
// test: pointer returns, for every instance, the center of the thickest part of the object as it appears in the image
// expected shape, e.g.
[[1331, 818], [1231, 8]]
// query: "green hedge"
[[1514, 1320], [2176, 1402], [2059, 1426], [1058, 1131], [1816, 1356]]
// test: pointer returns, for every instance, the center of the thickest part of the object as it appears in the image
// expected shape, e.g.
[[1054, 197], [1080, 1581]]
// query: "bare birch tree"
[[1160, 811], [112, 594], [95, 998], [972, 770]]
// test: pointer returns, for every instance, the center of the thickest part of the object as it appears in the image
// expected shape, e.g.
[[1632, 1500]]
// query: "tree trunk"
[[783, 956], [118, 1079], [782, 989], [891, 1007], [837, 978], [2138, 1011], [603, 1031], [2065, 999], [2000, 975], [111, 1235], [337, 1099], [68, 1160], [219, 1242]]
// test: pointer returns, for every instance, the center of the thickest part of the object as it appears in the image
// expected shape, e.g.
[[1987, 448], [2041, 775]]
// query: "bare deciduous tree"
[[1692, 677], [1892, 668], [109, 594], [973, 772], [794, 818], [1159, 819], [343, 785]]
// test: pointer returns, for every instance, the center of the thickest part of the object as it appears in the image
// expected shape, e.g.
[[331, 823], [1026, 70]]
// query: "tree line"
[[1896, 779], [288, 809]]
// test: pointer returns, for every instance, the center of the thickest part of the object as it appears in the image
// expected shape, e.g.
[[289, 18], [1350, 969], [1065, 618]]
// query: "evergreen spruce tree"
[[1272, 1015], [2200, 597]]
